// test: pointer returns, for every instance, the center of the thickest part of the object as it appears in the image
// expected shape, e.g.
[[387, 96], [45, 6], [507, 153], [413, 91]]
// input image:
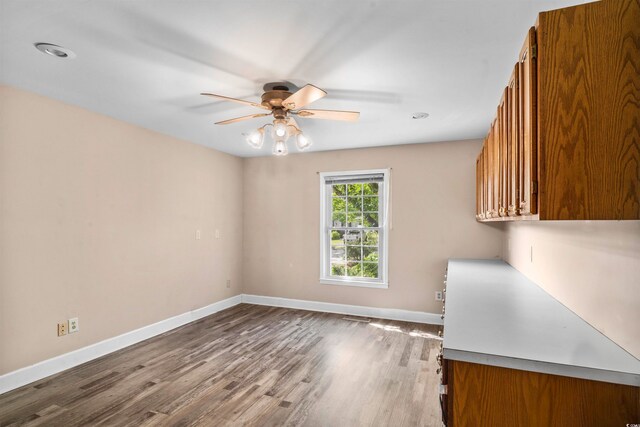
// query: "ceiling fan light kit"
[[281, 130], [283, 105]]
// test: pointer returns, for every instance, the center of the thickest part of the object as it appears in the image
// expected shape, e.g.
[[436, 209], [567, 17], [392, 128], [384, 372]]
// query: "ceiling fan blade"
[[239, 119], [304, 96], [239, 101], [348, 116]]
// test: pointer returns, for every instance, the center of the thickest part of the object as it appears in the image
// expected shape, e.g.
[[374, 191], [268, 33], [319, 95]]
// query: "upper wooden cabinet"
[[565, 144]]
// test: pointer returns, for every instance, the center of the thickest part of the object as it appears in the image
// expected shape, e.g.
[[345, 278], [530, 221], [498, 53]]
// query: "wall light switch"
[[198, 235], [217, 234], [74, 325]]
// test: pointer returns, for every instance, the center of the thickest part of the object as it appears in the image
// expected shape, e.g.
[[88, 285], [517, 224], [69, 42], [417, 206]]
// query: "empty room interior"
[[320, 213]]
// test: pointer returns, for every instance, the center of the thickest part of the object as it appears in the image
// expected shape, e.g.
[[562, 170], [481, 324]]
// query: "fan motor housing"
[[274, 98]]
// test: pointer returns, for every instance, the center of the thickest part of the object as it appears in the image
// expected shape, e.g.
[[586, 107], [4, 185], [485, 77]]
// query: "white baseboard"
[[354, 310], [29, 374]]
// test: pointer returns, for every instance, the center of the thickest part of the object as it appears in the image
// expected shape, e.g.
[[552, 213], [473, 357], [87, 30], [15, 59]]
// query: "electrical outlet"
[[62, 329], [438, 295], [74, 325], [228, 283]]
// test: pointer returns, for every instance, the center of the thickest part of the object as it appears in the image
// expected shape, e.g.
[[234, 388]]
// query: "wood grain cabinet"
[[483, 395], [565, 144]]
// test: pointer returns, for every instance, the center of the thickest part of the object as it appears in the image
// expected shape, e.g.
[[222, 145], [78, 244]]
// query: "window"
[[353, 228]]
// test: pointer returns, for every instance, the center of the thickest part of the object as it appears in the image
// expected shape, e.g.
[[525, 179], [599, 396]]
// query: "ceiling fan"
[[283, 104]]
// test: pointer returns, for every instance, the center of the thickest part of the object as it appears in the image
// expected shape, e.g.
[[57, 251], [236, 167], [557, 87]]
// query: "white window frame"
[[383, 234]]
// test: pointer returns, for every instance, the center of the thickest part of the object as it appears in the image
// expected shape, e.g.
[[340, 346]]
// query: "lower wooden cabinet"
[[483, 395]]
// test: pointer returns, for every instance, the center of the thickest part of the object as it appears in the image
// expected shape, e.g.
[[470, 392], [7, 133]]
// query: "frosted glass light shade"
[[256, 138], [280, 148], [302, 142], [280, 130]]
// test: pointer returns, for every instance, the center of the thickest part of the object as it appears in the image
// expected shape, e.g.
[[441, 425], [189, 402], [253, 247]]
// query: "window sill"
[[359, 284]]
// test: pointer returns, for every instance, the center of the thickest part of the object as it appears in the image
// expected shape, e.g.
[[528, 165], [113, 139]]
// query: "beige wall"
[[433, 219], [592, 267], [98, 220]]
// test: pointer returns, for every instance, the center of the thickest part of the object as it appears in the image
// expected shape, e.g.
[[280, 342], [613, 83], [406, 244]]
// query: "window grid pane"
[[354, 230], [354, 256]]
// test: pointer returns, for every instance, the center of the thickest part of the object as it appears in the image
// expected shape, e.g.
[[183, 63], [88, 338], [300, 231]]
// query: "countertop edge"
[[544, 367]]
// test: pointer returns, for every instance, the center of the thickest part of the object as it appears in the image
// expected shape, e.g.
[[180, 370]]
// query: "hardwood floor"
[[249, 365]]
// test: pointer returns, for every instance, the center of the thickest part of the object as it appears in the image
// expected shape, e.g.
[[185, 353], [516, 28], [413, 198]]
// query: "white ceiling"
[[145, 62]]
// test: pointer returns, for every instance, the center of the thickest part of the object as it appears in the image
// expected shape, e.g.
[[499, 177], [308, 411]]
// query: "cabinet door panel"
[[503, 121], [528, 121], [511, 397], [478, 189], [495, 168], [514, 142], [489, 172], [589, 111], [485, 181]]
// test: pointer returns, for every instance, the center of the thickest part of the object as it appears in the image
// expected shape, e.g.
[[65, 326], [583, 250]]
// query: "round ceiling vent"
[[55, 50]]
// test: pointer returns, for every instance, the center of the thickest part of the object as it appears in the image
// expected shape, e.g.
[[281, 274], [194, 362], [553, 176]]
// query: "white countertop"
[[495, 316]]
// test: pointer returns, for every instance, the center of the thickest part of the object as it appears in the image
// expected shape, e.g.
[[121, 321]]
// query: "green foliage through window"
[[355, 252]]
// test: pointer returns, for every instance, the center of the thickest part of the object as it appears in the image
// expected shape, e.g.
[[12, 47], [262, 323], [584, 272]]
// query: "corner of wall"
[[592, 267]]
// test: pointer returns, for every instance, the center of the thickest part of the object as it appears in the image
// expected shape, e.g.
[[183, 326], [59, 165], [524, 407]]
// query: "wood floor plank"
[[248, 365]]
